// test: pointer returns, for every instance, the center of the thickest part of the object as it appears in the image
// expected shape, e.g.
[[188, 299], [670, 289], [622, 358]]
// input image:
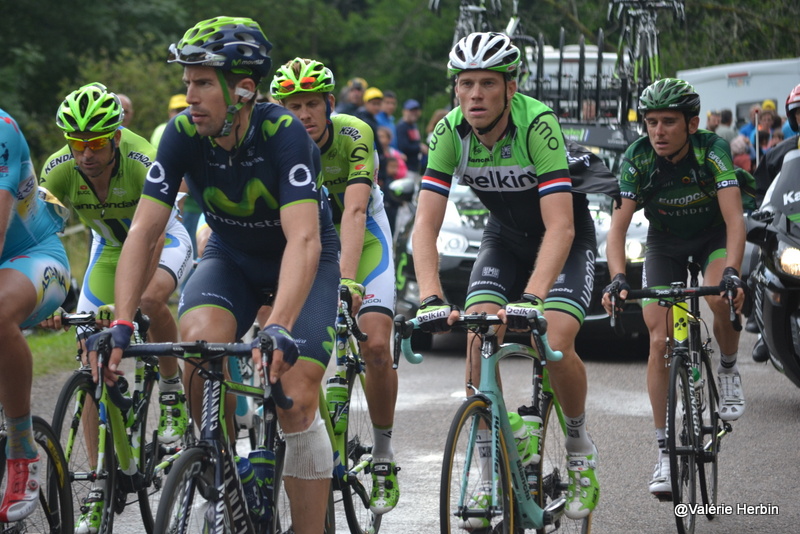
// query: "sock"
[[382, 446], [727, 363], [661, 438], [20, 442], [171, 383], [578, 440], [483, 442]]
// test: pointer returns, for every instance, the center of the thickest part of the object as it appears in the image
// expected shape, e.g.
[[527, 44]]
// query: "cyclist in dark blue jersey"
[[253, 170]]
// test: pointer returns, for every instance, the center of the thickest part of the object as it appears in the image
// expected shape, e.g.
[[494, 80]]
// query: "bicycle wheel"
[[150, 451], [465, 494], [54, 513], [282, 509], [75, 424], [624, 73], [712, 428], [358, 437], [551, 471], [681, 442], [187, 504]]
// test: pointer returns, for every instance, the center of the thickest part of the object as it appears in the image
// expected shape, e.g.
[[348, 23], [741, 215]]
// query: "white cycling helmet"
[[484, 51]]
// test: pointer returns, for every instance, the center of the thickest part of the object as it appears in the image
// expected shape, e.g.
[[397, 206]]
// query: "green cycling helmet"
[[235, 44], [301, 76], [92, 108], [670, 93]]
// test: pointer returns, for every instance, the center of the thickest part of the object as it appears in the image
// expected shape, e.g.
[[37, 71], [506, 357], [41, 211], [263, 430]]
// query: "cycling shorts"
[[240, 283], [668, 255], [98, 282], [376, 268], [47, 267], [506, 259]]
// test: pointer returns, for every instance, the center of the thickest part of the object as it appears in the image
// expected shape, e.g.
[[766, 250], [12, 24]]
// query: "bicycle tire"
[[357, 491], [79, 453], [712, 426], [461, 474], [624, 74], [551, 471], [282, 510], [54, 513], [150, 451], [681, 434]]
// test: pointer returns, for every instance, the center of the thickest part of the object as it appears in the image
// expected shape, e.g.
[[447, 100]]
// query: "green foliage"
[[53, 351]]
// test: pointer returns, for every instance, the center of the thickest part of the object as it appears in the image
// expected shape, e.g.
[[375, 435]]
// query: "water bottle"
[[521, 437], [252, 492], [533, 423], [338, 405], [263, 462]]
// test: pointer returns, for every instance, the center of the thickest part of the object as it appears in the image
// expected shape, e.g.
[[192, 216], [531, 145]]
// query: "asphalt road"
[[758, 464]]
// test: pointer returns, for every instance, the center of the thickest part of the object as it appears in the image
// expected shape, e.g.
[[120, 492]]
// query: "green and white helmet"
[[672, 94], [301, 76], [484, 51], [92, 108]]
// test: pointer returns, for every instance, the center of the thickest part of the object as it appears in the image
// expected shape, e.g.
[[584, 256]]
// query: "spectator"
[[394, 164], [740, 149], [176, 104], [750, 127], [769, 167], [385, 116], [353, 97], [385, 137], [409, 141], [766, 123], [712, 121], [127, 109], [725, 129], [373, 97]]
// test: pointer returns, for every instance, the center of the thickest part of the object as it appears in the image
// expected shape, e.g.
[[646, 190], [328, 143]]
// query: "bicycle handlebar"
[[346, 305], [479, 323], [190, 350]]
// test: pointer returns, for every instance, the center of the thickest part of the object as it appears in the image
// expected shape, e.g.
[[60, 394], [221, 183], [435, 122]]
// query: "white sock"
[[727, 363]]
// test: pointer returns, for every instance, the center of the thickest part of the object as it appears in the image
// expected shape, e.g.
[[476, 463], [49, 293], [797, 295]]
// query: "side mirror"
[[403, 190]]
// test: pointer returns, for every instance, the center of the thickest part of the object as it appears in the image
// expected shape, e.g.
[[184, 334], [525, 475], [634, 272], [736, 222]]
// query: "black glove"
[[618, 283], [730, 279], [517, 311], [281, 339], [433, 313], [119, 334]]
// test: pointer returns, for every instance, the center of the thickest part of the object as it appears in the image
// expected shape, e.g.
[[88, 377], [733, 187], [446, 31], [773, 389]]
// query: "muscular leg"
[[16, 362], [655, 317], [727, 338], [567, 376], [309, 498], [381, 384], [163, 327]]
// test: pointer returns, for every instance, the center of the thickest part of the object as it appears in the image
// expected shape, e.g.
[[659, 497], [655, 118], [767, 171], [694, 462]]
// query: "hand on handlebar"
[[515, 314], [732, 286], [117, 338], [615, 293], [435, 315], [356, 294], [284, 350]]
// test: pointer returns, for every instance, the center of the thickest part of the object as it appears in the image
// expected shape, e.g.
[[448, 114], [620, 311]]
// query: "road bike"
[[694, 428], [519, 498], [53, 515], [110, 437], [349, 426], [638, 60]]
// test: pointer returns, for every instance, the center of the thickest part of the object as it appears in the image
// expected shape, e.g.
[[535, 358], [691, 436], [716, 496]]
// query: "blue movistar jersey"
[[37, 215], [241, 192]]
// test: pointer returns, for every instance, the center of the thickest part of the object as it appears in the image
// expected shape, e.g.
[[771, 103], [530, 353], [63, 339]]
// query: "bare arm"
[[615, 240], [431, 208], [556, 243], [351, 233], [730, 204]]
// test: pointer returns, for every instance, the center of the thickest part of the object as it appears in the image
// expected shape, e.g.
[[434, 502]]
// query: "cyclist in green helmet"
[[684, 179], [253, 170], [349, 169], [100, 173]]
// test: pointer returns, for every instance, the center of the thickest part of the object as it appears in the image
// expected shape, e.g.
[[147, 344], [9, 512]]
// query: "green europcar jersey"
[[349, 157], [110, 220], [682, 199]]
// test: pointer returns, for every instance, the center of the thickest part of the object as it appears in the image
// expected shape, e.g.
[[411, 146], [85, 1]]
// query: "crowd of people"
[[301, 208]]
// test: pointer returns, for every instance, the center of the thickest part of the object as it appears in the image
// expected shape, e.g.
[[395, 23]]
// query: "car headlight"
[[451, 243], [634, 250], [788, 258]]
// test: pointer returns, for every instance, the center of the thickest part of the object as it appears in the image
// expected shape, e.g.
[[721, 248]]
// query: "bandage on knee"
[[309, 453]]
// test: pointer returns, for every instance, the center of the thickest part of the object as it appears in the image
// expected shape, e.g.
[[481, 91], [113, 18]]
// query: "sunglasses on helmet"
[[306, 83], [94, 144], [191, 54]]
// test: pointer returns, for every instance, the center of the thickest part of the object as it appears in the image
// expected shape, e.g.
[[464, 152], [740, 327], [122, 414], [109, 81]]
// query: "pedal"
[[554, 510]]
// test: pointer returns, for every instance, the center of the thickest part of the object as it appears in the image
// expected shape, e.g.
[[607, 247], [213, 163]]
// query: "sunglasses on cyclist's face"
[[192, 55], [94, 144], [306, 83]]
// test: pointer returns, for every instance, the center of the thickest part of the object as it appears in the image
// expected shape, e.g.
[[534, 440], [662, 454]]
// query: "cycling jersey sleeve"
[[719, 161], [443, 157], [547, 151]]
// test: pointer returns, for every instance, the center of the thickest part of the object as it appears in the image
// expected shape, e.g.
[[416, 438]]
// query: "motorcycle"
[[774, 279]]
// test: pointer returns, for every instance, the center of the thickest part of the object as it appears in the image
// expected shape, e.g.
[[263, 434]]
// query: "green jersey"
[[680, 199], [109, 220], [349, 157]]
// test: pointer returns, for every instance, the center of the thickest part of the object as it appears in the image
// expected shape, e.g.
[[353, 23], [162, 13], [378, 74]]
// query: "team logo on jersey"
[[217, 200], [491, 272], [505, 152], [351, 132]]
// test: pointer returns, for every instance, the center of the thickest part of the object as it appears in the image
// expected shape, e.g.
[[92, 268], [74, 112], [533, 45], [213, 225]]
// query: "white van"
[[737, 86]]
